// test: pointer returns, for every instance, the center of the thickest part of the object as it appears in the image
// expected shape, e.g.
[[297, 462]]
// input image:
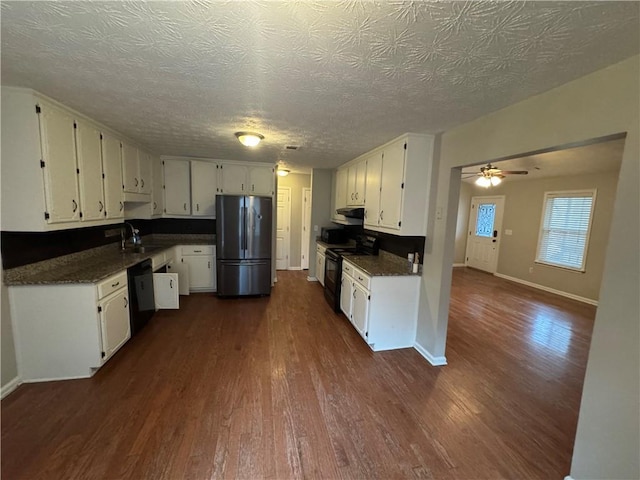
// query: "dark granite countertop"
[[383, 265], [96, 264], [335, 245]]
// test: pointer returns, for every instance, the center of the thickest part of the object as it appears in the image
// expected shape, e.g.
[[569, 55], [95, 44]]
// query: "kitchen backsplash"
[[400, 246], [22, 248]]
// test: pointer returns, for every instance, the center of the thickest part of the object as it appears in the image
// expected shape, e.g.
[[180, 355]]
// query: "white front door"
[[306, 227], [485, 222], [282, 227]]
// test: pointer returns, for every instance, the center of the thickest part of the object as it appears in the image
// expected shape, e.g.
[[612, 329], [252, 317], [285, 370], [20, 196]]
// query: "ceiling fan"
[[491, 176]]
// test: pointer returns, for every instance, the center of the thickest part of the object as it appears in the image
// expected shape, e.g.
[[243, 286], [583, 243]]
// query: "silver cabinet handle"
[[142, 182], [155, 205], [114, 285], [381, 216], [75, 206], [136, 181], [171, 283], [101, 205], [126, 302], [361, 279], [354, 294], [356, 195], [121, 206]]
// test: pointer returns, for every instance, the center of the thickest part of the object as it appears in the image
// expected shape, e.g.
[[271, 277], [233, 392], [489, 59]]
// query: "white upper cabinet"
[[204, 186], [90, 170], [356, 184], [177, 187], [112, 170], [239, 179], [398, 186], [145, 171], [59, 164], [157, 199], [130, 174], [372, 190]]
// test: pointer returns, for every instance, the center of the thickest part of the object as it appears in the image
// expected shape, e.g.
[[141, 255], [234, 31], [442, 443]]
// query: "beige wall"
[[296, 182], [600, 104], [9, 370], [522, 214], [462, 223], [321, 196]]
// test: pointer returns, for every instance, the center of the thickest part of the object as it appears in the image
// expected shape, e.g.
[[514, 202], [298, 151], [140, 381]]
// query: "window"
[[564, 230]]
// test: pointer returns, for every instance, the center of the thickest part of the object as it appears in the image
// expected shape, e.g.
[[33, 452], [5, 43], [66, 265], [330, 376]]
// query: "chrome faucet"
[[135, 238]]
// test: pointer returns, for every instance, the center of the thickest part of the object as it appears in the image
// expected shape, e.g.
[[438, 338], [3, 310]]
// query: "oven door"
[[332, 274]]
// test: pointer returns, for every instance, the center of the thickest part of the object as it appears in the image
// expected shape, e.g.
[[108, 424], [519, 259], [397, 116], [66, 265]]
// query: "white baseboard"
[[548, 289], [10, 387], [294, 268], [456, 265], [312, 279], [435, 361]]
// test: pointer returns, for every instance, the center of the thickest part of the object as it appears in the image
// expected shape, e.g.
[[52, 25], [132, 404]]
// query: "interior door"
[[306, 228], [485, 223], [283, 227]]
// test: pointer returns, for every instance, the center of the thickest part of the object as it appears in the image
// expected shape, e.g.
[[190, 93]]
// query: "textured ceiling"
[[595, 158], [337, 78]]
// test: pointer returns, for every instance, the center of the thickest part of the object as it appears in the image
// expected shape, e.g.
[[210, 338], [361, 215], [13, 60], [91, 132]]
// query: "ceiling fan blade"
[[514, 172], [469, 175]]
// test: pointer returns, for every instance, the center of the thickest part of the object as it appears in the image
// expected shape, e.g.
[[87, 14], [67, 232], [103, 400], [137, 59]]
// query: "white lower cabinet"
[[201, 261], [383, 309], [320, 261], [68, 331], [166, 292]]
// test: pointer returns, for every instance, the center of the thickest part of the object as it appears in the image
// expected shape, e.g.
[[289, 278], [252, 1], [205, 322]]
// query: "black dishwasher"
[[141, 301]]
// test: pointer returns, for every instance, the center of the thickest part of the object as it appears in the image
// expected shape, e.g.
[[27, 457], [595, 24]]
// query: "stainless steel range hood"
[[351, 212]]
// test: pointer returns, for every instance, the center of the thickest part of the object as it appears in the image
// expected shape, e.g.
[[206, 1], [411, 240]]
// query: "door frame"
[[306, 229], [472, 220], [287, 236]]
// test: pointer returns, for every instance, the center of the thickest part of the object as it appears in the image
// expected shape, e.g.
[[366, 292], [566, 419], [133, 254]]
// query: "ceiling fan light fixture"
[[495, 180], [483, 182], [249, 139], [283, 172]]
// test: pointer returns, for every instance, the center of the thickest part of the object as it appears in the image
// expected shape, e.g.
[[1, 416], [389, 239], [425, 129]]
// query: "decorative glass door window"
[[485, 219]]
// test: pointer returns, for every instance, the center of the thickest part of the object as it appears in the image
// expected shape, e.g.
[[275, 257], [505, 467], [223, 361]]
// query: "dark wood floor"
[[281, 387]]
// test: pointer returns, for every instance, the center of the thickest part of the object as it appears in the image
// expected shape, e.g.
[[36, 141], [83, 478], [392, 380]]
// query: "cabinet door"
[[351, 185], [114, 322], [260, 181], [201, 268], [90, 166], [165, 291], [234, 179], [157, 199], [372, 190], [112, 170], [392, 186], [130, 175], [360, 309], [182, 269], [204, 176], [361, 172], [346, 290], [320, 268], [341, 191], [59, 156], [177, 199], [144, 169]]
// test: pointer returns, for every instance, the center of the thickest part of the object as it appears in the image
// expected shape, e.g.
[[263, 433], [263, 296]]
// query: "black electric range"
[[365, 245]]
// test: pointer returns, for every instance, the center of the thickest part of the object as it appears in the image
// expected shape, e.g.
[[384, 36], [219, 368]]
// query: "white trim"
[[10, 386], [306, 242], [435, 361], [548, 289], [456, 265], [294, 268], [312, 279]]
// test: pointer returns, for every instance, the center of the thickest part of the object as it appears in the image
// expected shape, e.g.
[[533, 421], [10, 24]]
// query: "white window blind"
[[565, 227]]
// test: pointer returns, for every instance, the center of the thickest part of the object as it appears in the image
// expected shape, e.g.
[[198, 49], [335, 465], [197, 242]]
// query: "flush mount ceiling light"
[[249, 139], [283, 172]]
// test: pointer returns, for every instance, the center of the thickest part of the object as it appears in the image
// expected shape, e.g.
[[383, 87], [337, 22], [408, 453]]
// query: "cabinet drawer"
[[112, 284], [361, 278], [198, 250], [347, 268]]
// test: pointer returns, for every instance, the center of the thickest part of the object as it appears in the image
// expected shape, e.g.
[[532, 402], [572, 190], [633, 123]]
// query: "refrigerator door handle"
[[244, 231]]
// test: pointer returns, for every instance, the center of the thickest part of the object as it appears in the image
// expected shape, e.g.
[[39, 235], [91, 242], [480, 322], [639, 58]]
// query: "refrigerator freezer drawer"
[[244, 277]]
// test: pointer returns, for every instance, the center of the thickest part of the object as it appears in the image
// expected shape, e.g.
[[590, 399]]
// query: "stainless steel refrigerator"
[[243, 245]]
